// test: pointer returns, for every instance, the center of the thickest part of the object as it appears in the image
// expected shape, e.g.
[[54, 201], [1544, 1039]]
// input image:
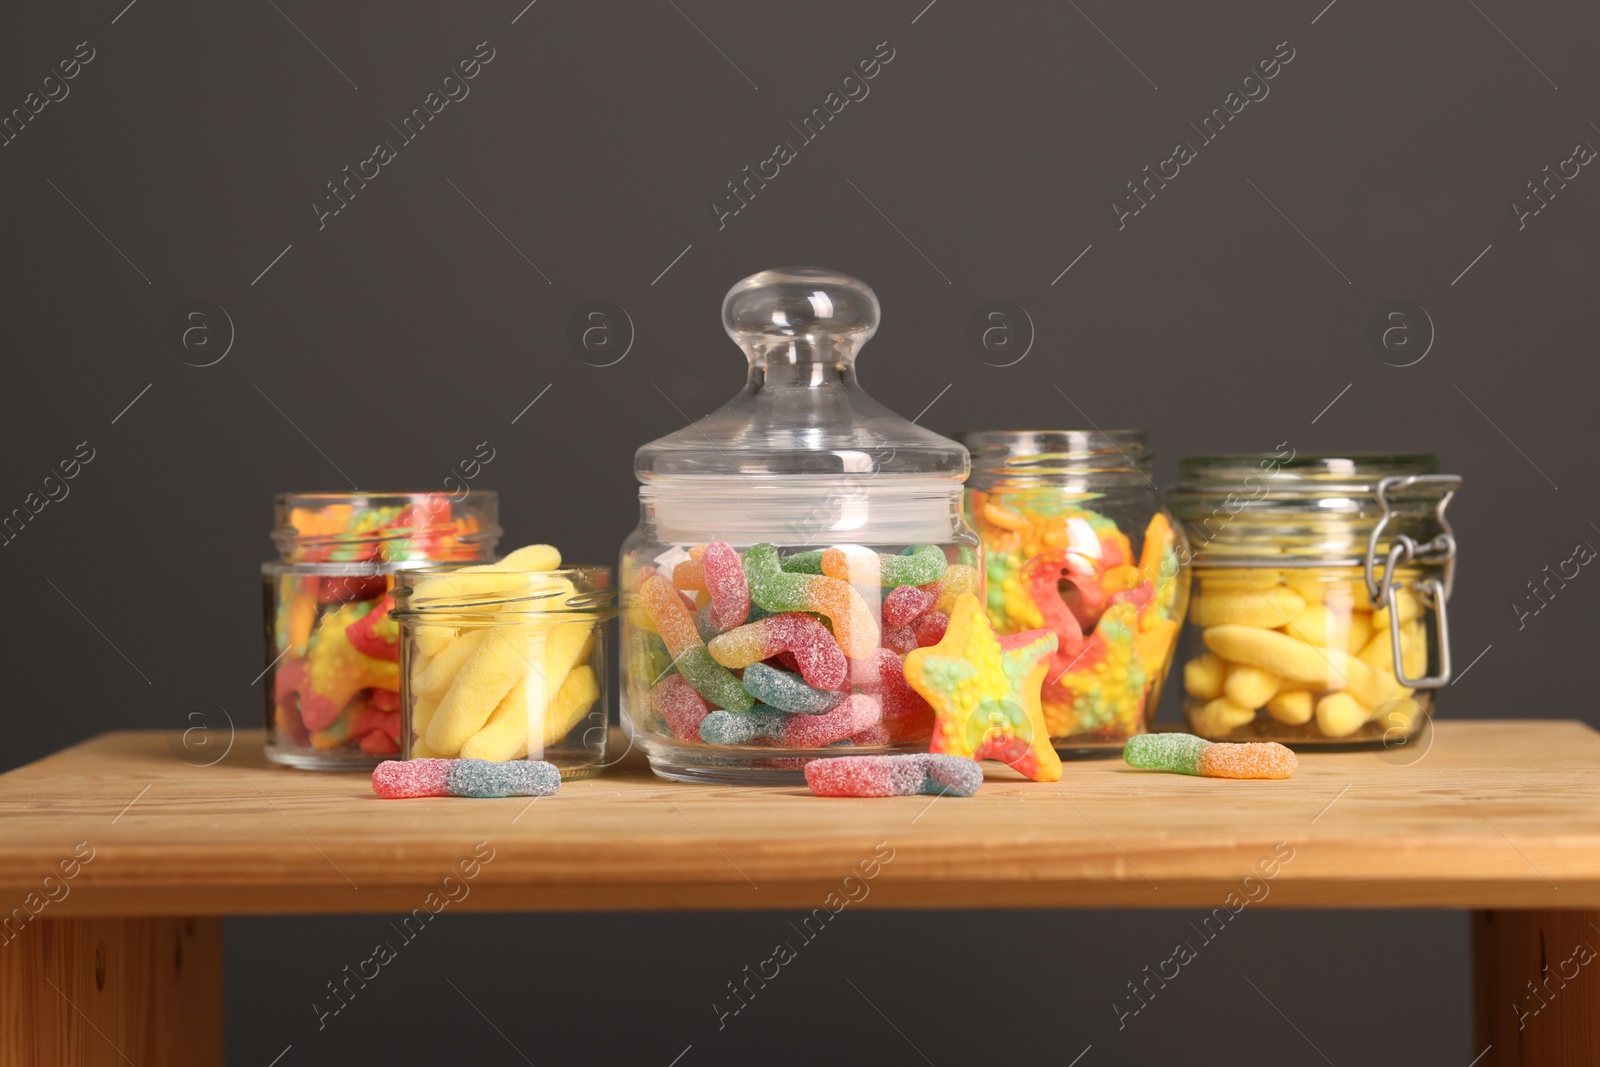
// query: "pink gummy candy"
[[906, 716], [399, 779], [724, 580], [894, 776], [905, 603], [821, 663], [675, 700], [929, 629], [850, 716]]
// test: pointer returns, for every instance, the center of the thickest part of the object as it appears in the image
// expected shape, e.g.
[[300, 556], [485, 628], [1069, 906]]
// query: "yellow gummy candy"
[[1296, 661], [1202, 676], [1292, 707], [1339, 715], [1269, 608], [532, 558], [1318, 625], [505, 735], [1311, 589], [502, 657], [1221, 716], [1360, 631], [1410, 608], [435, 678], [1250, 687], [1246, 579]]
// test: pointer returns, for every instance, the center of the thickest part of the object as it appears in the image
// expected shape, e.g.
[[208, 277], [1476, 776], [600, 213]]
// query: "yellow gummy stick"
[[441, 670], [502, 657], [505, 735]]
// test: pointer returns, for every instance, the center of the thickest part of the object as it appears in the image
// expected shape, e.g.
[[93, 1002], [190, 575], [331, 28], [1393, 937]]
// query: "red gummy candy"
[[375, 634], [385, 699], [904, 603], [900, 639], [929, 629], [724, 577], [675, 700], [398, 779], [345, 588], [852, 715], [906, 716], [379, 743]]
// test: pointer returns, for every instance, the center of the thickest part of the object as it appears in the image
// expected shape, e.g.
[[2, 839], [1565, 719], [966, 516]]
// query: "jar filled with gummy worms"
[[1318, 614], [1076, 539], [506, 661], [793, 546], [332, 681]]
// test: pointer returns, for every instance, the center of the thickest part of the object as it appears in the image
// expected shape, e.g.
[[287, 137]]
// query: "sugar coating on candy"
[[904, 603], [516, 778], [901, 639], [723, 573], [893, 776], [1253, 759], [958, 578], [675, 700], [855, 625], [883, 675], [729, 728], [1179, 753], [676, 627], [850, 716], [787, 692], [819, 658], [399, 779], [929, 629], [804, 562], [861, 566]]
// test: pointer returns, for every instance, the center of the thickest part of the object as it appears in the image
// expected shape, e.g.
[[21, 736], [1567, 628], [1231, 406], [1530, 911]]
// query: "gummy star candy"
[[338, 671], [985, 692]]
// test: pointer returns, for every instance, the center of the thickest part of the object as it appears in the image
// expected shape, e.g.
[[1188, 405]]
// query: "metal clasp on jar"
[[1434, 592]]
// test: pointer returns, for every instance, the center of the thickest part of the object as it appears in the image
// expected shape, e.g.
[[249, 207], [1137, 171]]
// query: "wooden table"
[[131, 856]]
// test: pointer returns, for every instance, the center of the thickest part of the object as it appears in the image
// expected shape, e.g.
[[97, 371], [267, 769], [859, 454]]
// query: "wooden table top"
[[1494, 815]]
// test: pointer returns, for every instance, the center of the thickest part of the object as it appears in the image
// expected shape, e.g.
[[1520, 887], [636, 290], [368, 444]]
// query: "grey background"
[[380, 350]]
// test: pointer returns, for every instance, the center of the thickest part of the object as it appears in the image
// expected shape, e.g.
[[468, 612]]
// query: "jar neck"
[[884, 509], [1082, 460]]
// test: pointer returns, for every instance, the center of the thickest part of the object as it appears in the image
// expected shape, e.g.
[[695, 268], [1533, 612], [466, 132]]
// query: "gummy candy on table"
[[787, 692], [516, 778], [402, 779], [984, 690], [820, 659], [675, 700], [676, 626], [894, 776], [1188, 754], [855, 625], [337, 671], [862, 566]]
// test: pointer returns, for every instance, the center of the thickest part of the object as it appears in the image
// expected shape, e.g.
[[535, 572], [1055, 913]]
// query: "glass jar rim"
[[389, 539], [596, 594], [1317, 474], [1043, 457]]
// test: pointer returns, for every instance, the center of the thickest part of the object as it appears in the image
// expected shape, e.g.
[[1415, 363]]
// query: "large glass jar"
[[332, 680], [504, 664], [1318, 609], [766, 613], [1076, 539]]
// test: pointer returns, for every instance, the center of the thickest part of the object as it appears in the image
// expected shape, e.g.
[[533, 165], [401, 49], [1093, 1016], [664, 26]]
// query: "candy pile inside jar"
[[1052, 564], [797, 651], [501, 659], [334, 674], [1306, 646]]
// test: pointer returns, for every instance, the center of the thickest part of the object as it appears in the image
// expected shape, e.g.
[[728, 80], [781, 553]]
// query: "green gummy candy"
[[713, 681], [804, 562], [925, 564], [1179, 753], [771, 587]]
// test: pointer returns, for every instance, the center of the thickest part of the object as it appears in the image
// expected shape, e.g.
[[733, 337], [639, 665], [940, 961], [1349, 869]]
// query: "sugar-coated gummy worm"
[[818, 656], [401, 779], [862, 566], [517, 778], [675, 700], [723, 573], [851, 716], [905, 602], [1188, 754], [676, 627], [855, 627], [787, 692], [894, 776]]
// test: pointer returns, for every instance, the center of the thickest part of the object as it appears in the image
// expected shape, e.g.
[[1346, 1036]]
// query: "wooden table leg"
[[1537, 987], [112, 992]]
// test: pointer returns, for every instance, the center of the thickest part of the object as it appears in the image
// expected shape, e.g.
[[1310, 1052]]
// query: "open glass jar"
[[758, 627], [504, 664], [1320, 583], [1076, 539], [332, 681]]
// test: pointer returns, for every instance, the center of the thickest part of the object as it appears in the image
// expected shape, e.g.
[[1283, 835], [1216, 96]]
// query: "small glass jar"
[[505, 664], [758, 628], [1320, 583], [332, 681], [1076, 539]]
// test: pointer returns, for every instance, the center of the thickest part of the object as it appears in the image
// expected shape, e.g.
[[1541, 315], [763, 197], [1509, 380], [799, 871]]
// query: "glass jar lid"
[[801, 412]]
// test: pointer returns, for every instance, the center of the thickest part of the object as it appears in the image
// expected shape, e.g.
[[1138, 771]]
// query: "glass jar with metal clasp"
[[1320, 584]]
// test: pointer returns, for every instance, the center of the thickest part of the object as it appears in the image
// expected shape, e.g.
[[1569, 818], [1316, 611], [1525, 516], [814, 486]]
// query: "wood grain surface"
[[1494, 815]]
